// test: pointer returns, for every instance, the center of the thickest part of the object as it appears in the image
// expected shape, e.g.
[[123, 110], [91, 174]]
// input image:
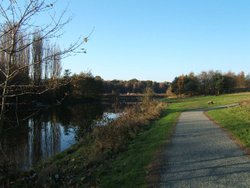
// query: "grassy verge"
[[129, 169], [202, 102], [236, 120]]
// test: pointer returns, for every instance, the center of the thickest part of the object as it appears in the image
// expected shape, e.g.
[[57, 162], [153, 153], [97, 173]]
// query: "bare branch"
[[23, 53]]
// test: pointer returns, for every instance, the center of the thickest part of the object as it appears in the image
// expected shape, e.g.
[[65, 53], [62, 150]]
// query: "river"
[[49, 131]]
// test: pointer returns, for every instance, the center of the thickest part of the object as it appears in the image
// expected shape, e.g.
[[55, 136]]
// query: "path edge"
[[236, 140], [154, 169]]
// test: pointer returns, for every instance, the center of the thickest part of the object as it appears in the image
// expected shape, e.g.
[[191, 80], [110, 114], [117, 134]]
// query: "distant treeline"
[[210, 83], [85, 86], [79, 88], [134, 86]]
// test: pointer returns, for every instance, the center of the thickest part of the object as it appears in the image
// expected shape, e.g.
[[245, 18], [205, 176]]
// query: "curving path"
[[202, 155]]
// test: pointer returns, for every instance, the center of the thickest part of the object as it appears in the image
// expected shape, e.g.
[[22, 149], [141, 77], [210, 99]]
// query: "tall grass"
[[114, 137]]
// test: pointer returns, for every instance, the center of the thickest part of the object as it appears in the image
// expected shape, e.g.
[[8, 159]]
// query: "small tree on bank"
[[148, 96]]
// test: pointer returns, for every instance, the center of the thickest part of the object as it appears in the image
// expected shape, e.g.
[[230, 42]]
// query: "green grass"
[[129, 169], [201, 102], [236, 120]]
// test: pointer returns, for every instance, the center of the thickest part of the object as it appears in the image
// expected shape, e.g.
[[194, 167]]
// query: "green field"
[[202, 102]]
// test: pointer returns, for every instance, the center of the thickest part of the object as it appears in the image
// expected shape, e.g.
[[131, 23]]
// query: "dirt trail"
[[202, 155]]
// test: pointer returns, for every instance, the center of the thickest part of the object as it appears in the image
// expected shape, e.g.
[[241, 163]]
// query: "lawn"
[[236, 120], [202, 102]]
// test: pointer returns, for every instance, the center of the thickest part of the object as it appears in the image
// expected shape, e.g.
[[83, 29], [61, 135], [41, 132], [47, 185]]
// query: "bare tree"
[[55, 65], [22, 36], [37, 55]]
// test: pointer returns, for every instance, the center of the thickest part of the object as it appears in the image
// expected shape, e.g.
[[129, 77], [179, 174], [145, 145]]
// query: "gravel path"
[[202, 155]]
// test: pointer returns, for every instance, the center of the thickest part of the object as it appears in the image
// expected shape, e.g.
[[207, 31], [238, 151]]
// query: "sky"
[[158, 39]]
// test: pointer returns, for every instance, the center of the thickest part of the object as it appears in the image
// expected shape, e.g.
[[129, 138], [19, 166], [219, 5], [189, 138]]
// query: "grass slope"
[[201, 102], [129, 169], [236, 120]]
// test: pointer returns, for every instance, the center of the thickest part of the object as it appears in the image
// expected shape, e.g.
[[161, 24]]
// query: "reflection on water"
[[48, 133], [106, 118]]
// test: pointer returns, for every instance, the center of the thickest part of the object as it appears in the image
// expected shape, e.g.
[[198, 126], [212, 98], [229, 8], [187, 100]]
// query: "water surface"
[[49, 131]]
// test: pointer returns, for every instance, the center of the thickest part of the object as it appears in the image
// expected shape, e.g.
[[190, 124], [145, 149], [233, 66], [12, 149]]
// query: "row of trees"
[[85, 86], [32, 61], [134, 86], [205, 83], [210, 83]]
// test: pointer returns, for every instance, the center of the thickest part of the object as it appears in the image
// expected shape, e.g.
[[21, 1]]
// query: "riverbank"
[[134, 167], [82, 163]]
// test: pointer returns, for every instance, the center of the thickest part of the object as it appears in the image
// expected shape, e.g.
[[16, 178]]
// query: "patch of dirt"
[[245, 103]]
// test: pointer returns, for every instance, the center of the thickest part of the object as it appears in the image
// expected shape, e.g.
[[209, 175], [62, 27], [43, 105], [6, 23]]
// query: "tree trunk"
[[3, 99]]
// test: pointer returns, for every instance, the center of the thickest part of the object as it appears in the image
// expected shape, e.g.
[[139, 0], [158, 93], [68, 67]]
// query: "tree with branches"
[[26, 57]]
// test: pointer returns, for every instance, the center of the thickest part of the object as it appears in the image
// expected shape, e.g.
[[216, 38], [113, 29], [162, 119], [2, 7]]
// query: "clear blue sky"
[[159, 39]]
